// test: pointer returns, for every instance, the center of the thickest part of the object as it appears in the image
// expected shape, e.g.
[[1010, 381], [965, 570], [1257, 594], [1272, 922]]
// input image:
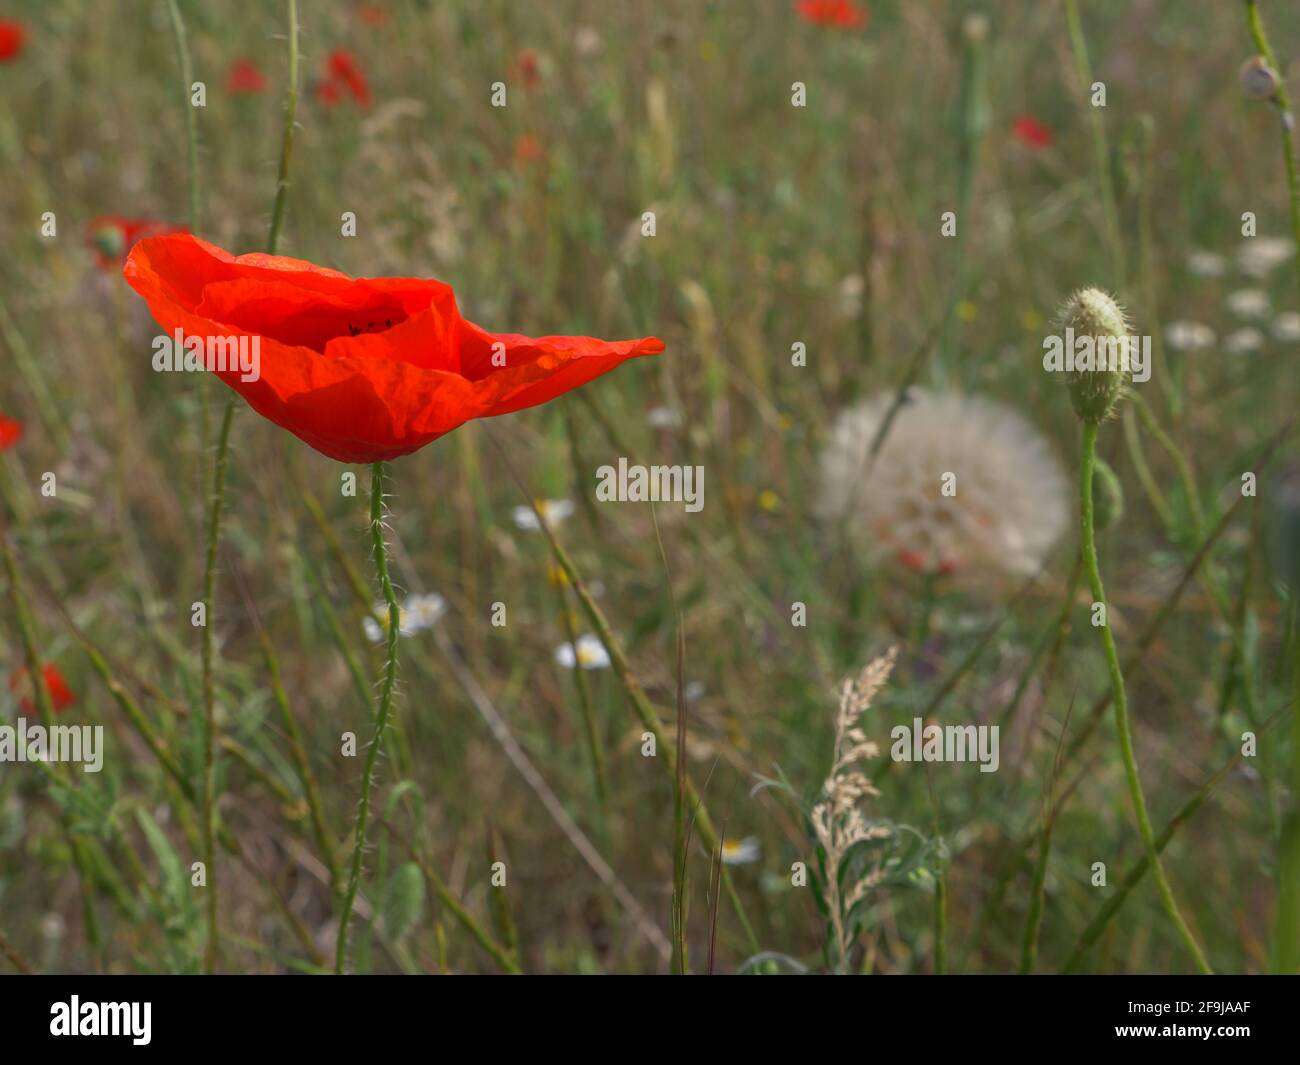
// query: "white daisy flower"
[[662, 418], [421, 612], [418, 613], [741, 851], [587, 42], [1206, 263], [1189, 336], [590, 654], [553, 512], [1249, 303], [1012, 502], [1286, 327], [1243, 341], [1260, 256]]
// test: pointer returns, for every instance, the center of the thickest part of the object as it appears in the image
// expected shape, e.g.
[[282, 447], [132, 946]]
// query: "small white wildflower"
[[1205, 263], [1243, 341], [850, 293], [421, 612], [553, 512], [1286, 327], [1260, 256], [587, 42], [694, 691], [662, 418], [1189, 336], [590, 654], [1249, 303], [375, 624], [741, 851]]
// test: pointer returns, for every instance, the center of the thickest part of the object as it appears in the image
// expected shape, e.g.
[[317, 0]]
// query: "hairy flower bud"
[[1259, 81], [1094, 319]]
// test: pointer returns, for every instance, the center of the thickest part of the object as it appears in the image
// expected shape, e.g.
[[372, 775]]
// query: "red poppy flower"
[[329, 93], [61, 696], [361, 369], [245, 77], [528, 149], [342, 68], [529, 70], [10, 432], [110, 237], [1032, 133], [842, 13], [12, 36]]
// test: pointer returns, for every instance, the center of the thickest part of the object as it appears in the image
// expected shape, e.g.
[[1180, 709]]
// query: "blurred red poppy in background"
[[344, 71], [10, 432], [12, 36], [111, 236], [1032, 133], [362, 369], [529, 70], [842, 13], [329, 93], [372, 14], [61, 696], [529, 149], [245, 77]]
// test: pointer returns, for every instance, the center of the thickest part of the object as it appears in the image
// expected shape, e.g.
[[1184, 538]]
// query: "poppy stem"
[[208, 788], [1120, 699], [382, 710], [286, 144]]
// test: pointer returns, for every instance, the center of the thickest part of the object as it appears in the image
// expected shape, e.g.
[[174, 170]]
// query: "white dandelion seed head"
[[1189, 336], [1011, 499]]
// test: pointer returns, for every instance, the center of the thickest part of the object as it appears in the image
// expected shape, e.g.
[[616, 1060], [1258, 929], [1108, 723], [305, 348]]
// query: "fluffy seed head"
[[1090, 312], [1007, 504]]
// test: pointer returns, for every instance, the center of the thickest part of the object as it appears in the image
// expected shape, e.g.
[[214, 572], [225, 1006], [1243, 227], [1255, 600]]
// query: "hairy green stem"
[[286, 143], [382, 710], [1283, 101], [1120, 699], [214, 531], [191, 121], [1286, 926], [1100, 148], [208, 785]]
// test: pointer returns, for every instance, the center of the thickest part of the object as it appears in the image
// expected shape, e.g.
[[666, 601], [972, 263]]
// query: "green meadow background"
[[775, 224]]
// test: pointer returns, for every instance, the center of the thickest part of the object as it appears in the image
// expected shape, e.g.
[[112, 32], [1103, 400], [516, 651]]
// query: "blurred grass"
[[774, 225]]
